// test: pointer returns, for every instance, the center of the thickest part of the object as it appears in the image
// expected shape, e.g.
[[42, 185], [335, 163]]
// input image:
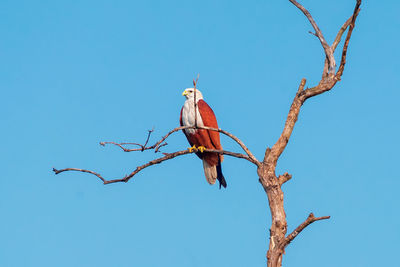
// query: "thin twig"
[[160, 146], [312, 33], [121, 145], [195, 102], [148, 137]]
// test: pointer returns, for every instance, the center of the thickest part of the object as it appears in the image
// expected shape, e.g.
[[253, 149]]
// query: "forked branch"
[[324, 85], [339, 35]]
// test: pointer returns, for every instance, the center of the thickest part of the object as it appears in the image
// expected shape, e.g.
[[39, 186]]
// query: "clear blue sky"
[[74, 73]]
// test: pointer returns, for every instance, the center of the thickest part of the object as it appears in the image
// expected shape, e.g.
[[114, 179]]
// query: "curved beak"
[[185, 93]]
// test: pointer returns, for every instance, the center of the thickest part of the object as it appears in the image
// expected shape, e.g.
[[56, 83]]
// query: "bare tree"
[[271, 183]]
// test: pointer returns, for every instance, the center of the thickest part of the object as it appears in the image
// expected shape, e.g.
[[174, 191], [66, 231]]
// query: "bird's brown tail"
[[214, 172]]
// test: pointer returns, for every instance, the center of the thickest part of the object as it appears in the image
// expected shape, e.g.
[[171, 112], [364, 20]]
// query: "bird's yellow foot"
[[192, 148], [201, 148]]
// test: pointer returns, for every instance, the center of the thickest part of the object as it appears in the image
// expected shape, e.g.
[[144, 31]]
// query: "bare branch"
[[318, 33], [167, 156], [291, 119], [301, 227], [346, 42]]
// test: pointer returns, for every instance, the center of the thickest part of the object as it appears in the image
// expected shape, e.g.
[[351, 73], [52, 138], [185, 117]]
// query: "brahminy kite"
[[201, 139]]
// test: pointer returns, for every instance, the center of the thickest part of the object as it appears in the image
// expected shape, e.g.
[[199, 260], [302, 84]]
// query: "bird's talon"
[[201, 148], [192, 148]]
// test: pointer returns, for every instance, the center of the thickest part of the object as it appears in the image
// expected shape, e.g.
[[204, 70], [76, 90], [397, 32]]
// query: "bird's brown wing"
[[209, 120]]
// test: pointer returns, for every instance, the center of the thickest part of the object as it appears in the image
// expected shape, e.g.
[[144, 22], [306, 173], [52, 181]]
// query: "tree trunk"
[[272, 187]]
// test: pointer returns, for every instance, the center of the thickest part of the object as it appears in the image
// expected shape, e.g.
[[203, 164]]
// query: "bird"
[[201, 139]]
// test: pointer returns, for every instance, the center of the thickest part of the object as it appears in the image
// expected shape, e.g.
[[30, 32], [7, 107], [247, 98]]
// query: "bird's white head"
[[189, 94]]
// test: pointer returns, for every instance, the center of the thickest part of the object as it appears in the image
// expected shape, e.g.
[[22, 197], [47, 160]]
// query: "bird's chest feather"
[[188, 116]]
